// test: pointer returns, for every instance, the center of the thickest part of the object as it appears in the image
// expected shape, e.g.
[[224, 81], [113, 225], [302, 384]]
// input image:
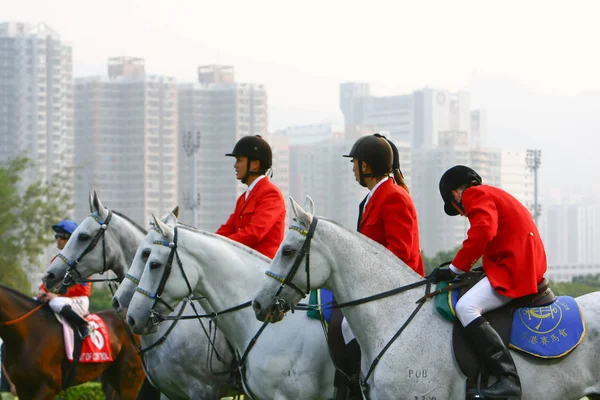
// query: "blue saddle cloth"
[[320, 297], [551, 331]]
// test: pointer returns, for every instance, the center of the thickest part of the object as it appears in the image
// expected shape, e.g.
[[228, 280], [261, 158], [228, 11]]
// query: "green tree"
[[26, 214], [439, 258], [101, 298]]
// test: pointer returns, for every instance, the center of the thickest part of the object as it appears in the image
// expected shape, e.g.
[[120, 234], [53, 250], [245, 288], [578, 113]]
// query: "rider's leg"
[[64, 307], [335, 340], [488, 344], [353, 368]]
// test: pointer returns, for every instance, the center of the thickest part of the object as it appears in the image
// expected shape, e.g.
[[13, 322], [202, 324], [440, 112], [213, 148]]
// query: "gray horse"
[[162, 363], [227, 273], [420, 364]]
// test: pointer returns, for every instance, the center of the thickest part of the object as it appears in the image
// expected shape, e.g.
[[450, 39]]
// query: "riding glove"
[[441, 275]]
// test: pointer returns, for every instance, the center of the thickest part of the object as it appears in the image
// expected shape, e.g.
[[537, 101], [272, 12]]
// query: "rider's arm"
[[228, 228], [399, 225], [80, 289], [270, 208], [483, 217]]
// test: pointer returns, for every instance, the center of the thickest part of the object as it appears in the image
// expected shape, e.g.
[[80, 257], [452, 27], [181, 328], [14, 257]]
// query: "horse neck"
[[362, 268], [229, 279], [13, 307], [127, 238]]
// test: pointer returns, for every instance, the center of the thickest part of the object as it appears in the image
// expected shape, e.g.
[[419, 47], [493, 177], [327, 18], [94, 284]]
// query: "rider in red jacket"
[[514, 260], [388, 216], [74, 304], [258, 220]]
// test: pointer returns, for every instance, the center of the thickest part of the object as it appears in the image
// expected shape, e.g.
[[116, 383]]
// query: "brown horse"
[[36, 360]]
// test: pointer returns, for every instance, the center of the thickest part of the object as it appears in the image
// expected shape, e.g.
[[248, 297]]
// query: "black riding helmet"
[[254, 148], [454, 178], [376, 151]]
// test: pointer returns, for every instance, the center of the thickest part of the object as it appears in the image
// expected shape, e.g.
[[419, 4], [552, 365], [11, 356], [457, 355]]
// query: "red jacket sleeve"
[[398, 225], [228, 228], [269, 209], [43, 287], [79, 289], [483, 217]]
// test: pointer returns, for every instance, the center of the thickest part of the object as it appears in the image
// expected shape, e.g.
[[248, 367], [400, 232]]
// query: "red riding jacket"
[[504, 233], [390, 219], [259, 221]]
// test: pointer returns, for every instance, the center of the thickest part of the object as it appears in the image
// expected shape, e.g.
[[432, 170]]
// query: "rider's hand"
[[40, 294], [48, 297], [441, 275], [13, 389]]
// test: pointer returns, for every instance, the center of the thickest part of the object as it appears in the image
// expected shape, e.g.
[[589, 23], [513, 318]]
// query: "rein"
[[156, 318], [305, 252], [24, 317]]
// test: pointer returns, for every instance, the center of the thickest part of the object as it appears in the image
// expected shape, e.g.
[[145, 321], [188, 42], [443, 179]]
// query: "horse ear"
[[309, 205], [102, 211], [91, 203], [170, 219], [162, 228], [301, 216], [175, 212]]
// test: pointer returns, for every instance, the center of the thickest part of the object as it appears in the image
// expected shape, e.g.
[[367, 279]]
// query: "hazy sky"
[[303, 50]]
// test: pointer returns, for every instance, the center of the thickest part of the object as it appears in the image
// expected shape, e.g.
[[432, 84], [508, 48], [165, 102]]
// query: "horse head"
[[69, 260], [293, 272], [123, 295], [157, 294]]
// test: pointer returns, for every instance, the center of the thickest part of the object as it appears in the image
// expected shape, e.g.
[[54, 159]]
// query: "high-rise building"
[[36, 100], [438, 111], [413, 120], [127, 140], [571, 234], [222, 111], [365, 114]]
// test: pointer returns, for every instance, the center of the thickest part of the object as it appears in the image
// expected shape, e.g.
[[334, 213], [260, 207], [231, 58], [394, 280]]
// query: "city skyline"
[[540, 51]]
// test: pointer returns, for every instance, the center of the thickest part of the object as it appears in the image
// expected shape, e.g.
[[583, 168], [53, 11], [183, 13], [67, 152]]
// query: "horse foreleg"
[[43, 392]]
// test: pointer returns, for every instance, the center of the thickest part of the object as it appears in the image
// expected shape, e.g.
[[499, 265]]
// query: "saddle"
[[501, 319]]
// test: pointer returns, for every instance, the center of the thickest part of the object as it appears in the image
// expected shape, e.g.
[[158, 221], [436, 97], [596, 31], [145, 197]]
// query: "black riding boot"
[[76, 321], [496, 358], [353, 369]]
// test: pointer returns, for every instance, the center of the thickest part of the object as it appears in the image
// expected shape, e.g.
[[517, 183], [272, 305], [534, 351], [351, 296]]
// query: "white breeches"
[[80, 304], [480, 299]]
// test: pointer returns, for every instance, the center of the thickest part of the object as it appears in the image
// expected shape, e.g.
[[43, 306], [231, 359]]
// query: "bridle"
[[304, 253], [156, 318], [73, 275]]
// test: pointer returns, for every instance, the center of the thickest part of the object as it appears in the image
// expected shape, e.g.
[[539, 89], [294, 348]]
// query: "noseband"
[[155, 317], [73, 275], [287, 280]]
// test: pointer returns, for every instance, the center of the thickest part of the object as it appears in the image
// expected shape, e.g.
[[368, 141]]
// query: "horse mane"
[[126, 218], [368, 241], [21, 296], [233, 243]]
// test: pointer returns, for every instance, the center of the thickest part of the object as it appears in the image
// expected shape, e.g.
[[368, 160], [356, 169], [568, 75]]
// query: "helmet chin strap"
[[459, 205], [248, 172], [362, 175]]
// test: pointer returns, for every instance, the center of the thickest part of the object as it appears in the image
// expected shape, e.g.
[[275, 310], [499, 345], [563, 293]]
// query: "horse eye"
[[145, 254], [155, 265], [288, 252], [83, 237]]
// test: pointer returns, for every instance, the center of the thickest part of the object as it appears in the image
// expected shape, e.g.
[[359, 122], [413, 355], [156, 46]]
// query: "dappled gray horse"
[[420, 364], [110, 243]]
